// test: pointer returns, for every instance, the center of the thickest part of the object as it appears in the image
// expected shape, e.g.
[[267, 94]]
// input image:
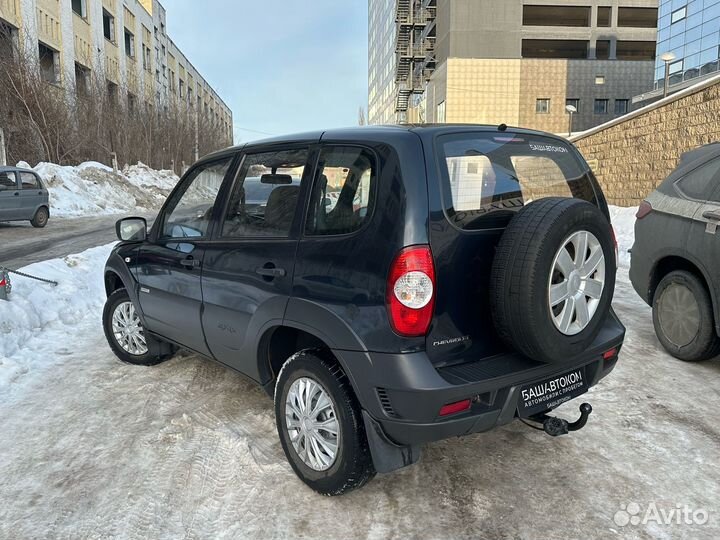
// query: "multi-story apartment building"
[[518, 62], [123, 42], [689, 30]]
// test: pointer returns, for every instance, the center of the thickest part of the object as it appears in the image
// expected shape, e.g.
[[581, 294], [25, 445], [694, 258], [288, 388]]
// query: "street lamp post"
[[571, 109], [667, 58]]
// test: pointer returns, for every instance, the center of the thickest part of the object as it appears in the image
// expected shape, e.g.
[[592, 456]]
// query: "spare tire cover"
[[553, 278]]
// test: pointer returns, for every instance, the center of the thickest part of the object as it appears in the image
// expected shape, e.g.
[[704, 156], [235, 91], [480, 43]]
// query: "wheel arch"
[[280, 342]]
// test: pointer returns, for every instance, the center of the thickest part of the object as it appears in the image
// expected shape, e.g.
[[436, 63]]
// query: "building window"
[[601, 106], [108, 26], [599, 79], [82, 80], [636, 50], [441, 112], [678, 15], [676, 67], [146, 58], [112, 93], [604, 17], [129, 44], [555, 48], [573, 102], [621, 106], [556, 16], [637, 17], [132, 102], [78, 6], [182, 88], [49, 63], [542, 106]]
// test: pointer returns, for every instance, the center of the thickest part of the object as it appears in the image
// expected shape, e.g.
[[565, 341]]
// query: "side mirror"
[[133, 229]]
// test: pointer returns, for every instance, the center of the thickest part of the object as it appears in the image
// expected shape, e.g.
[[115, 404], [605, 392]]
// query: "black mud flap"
[[386, 455]]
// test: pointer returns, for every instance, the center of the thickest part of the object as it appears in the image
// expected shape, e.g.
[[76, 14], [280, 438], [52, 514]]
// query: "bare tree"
[[93, 120]]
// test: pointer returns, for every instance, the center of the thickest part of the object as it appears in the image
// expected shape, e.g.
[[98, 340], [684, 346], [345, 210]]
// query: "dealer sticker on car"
[[550, 393]]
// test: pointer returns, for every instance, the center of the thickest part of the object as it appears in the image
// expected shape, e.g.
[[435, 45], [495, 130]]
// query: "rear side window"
[[487, 176], [29, 181], [701, 183], [343, 193]]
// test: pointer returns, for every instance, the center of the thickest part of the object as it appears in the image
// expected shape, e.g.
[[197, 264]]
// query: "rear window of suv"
[[486, 177]]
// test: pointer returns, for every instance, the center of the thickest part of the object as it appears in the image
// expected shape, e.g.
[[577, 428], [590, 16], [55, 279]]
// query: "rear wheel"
[[125, 333], [41, 218], [320, 425], [683, 317]]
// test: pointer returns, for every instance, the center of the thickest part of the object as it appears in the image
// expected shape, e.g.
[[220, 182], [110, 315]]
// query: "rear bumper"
[[404, 392]]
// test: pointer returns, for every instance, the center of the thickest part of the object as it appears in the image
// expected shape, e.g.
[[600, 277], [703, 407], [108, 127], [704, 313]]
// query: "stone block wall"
[[632, 155]]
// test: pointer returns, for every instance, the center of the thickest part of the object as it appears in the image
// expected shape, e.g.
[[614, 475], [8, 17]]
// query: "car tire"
[[683, 317], [538, 254], [153, 351], [41, 217], [351, 467]]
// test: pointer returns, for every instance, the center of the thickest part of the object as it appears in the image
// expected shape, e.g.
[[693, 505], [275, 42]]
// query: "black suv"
[[676, 256], [388, 286]]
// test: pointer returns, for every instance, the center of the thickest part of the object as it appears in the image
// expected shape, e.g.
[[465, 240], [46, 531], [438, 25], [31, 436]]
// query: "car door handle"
[[271, 272], [17, 194], [712, 214], [190, 262]]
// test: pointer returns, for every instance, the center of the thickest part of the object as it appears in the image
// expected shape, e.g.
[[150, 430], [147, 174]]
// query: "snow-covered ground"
[[92, 188], [90, 447]]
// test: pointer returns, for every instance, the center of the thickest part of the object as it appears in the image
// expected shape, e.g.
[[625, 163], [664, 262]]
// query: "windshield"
[[487, 177]]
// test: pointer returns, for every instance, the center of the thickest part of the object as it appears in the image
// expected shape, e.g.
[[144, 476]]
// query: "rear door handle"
[[271, 272], [17, 194], [712, 214], [190, 262]]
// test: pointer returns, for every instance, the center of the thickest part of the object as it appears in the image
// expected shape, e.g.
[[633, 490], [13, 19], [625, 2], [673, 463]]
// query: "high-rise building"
[[689, 30], [518, 62], [124, 42]]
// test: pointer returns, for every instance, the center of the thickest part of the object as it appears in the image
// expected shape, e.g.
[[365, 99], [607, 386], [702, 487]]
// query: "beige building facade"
[[518, 62], [123, 42]]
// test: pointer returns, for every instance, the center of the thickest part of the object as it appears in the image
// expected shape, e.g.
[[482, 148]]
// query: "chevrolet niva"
[[387, 286]]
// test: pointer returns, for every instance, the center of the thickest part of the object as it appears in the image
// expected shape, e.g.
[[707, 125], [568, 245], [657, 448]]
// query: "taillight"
[[2, 282], [643, 210], [410, 294]]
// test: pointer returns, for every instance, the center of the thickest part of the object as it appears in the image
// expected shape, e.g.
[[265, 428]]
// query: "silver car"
[[23, 197]]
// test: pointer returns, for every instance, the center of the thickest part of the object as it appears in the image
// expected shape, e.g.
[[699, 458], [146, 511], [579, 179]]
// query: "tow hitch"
[[555, 426]]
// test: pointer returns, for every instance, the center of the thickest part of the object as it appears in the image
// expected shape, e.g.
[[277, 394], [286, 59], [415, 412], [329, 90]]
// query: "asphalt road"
[[22, 244]]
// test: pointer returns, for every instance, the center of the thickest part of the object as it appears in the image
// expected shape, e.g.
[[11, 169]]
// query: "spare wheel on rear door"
[[553, 278]]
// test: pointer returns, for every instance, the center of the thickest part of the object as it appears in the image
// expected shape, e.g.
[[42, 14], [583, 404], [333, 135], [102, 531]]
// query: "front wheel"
[[320, 425], [683, 317], [41, 218], [125, 333]]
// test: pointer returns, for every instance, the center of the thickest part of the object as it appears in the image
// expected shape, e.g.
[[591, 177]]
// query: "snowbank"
[[93, 188], [39, 320], [623, 220]]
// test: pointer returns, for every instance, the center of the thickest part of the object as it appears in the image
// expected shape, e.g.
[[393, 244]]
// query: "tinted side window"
[[344, 191], [7, 179], [701, 183], [189, 212], [29, 181], [265, 195]]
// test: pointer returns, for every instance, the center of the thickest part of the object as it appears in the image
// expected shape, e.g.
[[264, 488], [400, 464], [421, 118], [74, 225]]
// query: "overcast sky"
[[282, 66]]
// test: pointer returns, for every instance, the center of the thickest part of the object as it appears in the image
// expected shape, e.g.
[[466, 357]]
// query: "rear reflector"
[[612, 353], [643, 210], [452, 408]]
